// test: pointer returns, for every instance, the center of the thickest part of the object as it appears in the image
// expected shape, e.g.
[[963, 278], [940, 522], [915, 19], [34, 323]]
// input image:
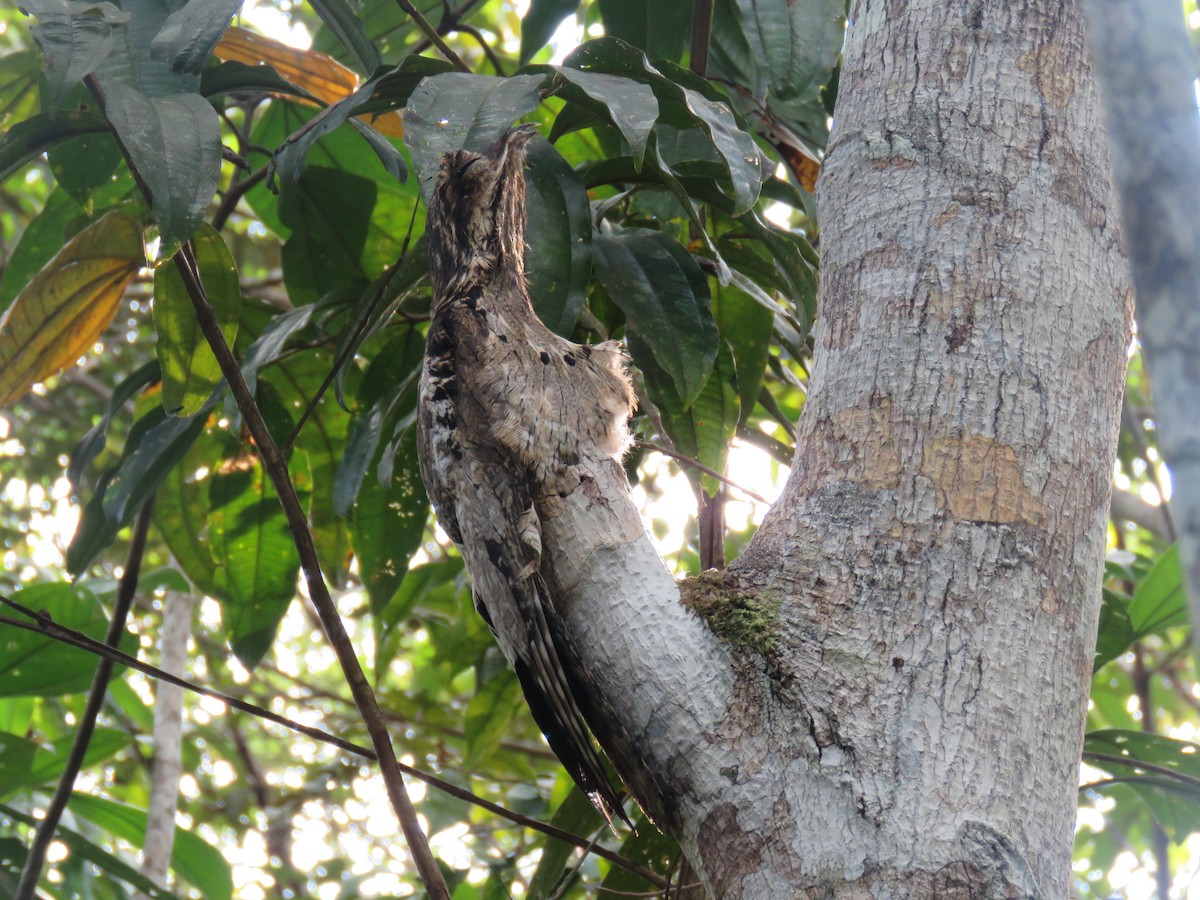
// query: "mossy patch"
[[748, 622]]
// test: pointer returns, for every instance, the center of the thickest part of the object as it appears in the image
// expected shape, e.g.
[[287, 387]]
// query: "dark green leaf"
[[747, 327], [703, 430], [540, 22], [649, 847], [75, 38], [665, 298], [192, 859], [797, 41], [16, 762], [341, 21], [175, 145], [662, 30], [181, 510], [86, 168], [19, 74], [577, 816], [233, 76], [628, 105], [31, 664], [188, 36], [48, 765], [452, 111], [388, 522], [1116, 632], [559, 236], [252, 549], [44, 236], [489, 716], [328, 212], [92, 442], [190, 371], [28, 139]]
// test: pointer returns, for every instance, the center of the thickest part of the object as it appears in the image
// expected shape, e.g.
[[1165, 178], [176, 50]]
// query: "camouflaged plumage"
[[508, 412]]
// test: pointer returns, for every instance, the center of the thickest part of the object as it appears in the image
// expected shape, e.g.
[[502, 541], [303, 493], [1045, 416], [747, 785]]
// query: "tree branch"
[[432, 34], [42, 624], [32, 871]]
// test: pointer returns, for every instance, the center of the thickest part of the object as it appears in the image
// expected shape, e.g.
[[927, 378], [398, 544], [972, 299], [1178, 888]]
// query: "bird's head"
[[477, 212]]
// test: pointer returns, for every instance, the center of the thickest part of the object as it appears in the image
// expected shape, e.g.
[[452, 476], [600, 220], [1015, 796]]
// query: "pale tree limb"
[[167, 766], [1147, 69]]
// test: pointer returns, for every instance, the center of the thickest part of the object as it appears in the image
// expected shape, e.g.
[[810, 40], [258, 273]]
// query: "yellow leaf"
[[68, 304], [318, 73]]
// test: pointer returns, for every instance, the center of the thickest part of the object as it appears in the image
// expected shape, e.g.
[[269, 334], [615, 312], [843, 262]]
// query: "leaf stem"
[[432, 34]]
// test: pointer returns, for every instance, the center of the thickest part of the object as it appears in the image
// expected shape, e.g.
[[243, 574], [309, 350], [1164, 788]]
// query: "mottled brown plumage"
[[508, 412]]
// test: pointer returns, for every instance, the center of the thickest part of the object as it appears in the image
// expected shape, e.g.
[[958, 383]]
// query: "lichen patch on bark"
[[747, 622]]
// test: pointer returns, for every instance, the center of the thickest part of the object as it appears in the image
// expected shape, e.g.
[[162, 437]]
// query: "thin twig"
[[700, 467], [42, 624], [432, 34], [238, 188], [32, 871], [1128, 763]]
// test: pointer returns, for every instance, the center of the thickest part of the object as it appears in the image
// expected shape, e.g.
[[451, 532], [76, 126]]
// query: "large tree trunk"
[[894, 705]]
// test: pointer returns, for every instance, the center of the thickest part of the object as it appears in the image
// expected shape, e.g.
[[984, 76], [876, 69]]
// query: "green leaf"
[[328, 212], [746, 326], [44, 236], [68, 304], [489, 716], [75, 39], [796, 41], [541, 21], [665, 298], [29, 139], [559, 236], [683, 106], [19, 74], [175, 145], [192, 859], [576, 815], [84, 849], [155, 445], [232, 77], [454, 111], [190, 371], [16, 763], [322, 441], [701, 431], [647, 846], [189, 34], [347, 27], [85, 167], [1174, 803], [181, 510], [48, 765], [31, 664], [255, 558], [1159, 601], [628, 105], [1116, 631], [662, 30], [389, 522]]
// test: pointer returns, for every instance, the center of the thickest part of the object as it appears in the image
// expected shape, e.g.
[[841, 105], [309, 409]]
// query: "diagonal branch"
[[42, 624]]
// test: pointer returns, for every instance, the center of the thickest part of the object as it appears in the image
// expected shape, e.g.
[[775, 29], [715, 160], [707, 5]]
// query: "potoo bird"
[[508, 411]]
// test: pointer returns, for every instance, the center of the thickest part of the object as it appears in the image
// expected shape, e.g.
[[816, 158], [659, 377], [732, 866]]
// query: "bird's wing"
[[496, 520]]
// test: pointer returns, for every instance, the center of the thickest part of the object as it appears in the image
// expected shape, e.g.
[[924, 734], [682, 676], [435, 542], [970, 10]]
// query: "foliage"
[[667, 207]]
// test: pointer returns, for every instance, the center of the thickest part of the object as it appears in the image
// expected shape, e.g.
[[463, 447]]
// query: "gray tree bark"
[[884, 696]]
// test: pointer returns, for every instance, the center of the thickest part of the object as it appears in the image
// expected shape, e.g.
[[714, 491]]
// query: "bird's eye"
[[462, 170]]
